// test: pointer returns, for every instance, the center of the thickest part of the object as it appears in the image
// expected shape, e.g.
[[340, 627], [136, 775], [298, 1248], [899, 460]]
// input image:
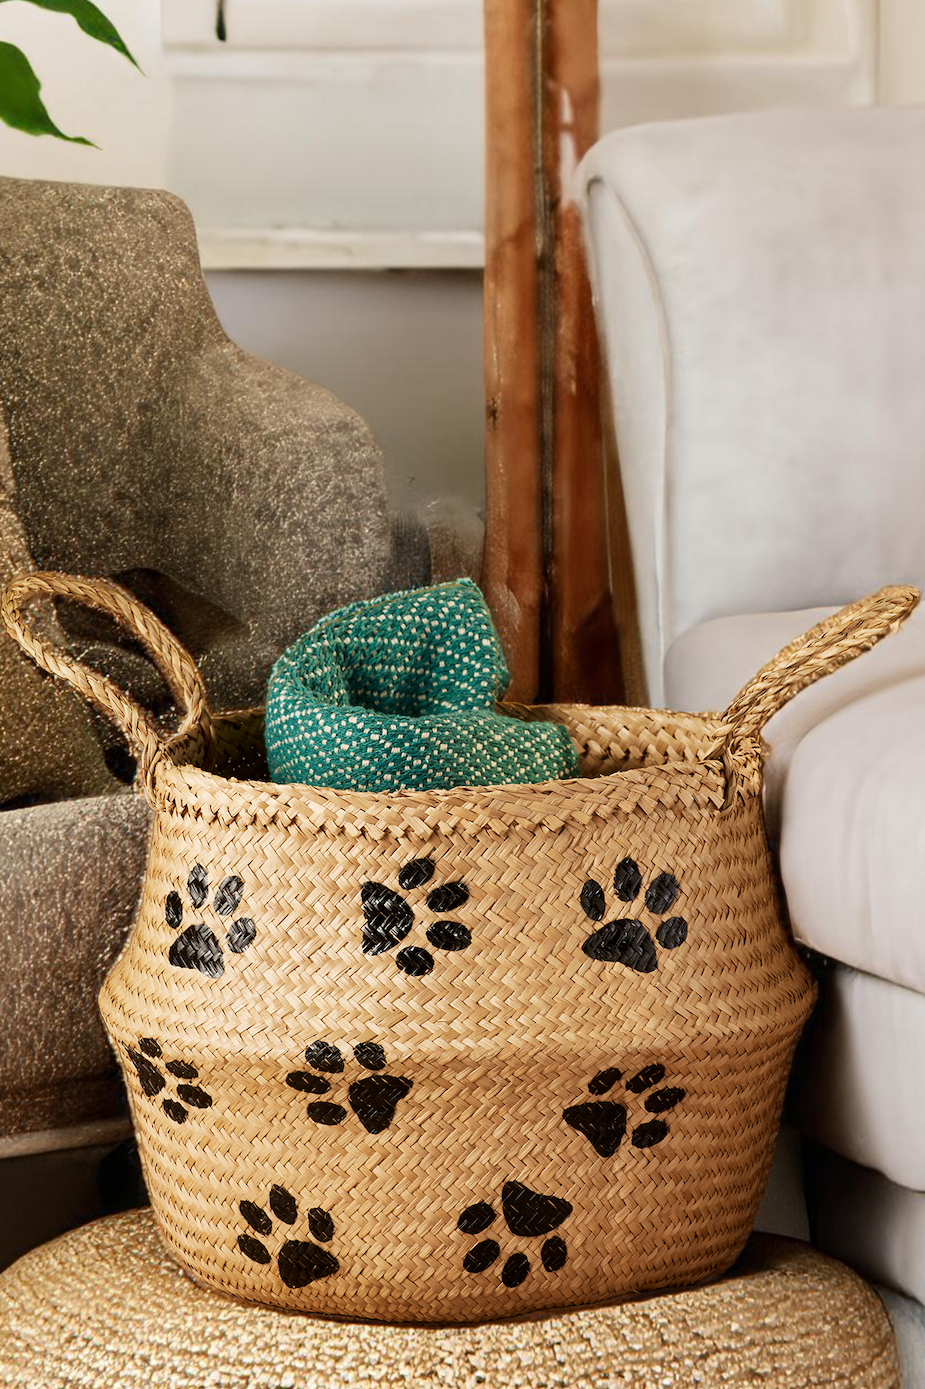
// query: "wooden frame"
[[546, 560]]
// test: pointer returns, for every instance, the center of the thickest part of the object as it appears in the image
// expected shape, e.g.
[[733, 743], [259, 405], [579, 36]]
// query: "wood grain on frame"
[[513, 573], [584, 648], [546, 564]]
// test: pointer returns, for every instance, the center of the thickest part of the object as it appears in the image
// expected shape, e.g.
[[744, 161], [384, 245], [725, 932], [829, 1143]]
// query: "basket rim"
[[699, 783]]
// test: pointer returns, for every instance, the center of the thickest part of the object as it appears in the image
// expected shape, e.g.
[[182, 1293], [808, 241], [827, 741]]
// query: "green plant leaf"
[[21, 105], [90, 19]]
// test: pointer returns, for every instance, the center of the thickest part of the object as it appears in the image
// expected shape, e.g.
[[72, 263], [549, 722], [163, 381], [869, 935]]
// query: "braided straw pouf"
[[105, 1308]]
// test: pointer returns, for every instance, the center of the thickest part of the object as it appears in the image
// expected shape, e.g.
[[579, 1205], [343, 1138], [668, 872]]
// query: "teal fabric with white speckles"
[[397, 694]]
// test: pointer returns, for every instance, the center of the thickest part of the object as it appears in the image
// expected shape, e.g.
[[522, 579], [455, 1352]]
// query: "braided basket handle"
[[173, 661], [820, 651]]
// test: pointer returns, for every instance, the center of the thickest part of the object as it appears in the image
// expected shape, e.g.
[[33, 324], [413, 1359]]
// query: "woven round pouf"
[[105, 1308]]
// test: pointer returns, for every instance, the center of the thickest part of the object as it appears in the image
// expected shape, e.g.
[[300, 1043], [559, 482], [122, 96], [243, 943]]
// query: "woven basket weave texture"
[[441, 1056]]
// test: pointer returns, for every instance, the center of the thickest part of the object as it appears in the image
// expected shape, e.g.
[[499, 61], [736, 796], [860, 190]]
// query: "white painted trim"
[[297, 64], [233, 249], [324, 25], [641, 28], [902, 52], [356, 125], [628, 28]]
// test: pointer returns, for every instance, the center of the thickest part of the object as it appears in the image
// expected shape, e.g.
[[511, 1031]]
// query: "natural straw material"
[[104, 1308], [451, 1055]]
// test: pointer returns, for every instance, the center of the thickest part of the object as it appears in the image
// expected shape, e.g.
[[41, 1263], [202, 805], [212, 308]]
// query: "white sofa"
[[760, 285]]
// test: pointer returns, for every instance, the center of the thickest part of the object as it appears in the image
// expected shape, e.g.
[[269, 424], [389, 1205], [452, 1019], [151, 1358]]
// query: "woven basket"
[[447, 1056]]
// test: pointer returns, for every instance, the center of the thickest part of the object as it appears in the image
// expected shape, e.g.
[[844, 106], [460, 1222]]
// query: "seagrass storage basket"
[[466, 1054]]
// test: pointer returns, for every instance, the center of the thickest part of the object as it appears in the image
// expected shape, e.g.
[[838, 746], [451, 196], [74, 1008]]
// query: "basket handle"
[[820, 651], [172, 659]]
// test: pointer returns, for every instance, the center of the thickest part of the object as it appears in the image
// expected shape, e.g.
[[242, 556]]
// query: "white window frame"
[[659, 58]]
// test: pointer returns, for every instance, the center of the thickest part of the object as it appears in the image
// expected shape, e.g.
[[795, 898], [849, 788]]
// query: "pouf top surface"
[[105, 1308]]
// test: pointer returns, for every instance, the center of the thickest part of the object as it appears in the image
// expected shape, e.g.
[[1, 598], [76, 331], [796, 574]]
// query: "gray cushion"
[[70, 875]]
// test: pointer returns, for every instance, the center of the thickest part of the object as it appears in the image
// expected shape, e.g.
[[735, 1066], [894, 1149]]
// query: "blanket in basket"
[[397, 693]]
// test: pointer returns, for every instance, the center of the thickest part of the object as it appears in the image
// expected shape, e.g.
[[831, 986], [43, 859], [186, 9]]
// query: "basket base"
[[104, 1306]]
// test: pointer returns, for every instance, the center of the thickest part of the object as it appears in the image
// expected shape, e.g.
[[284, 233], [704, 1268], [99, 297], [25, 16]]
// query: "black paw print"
[[199, 947], [300, 1262], [389, 917], [153, 1082], [603, 1122], [372, 1099], [528, 1215], [626, 941]]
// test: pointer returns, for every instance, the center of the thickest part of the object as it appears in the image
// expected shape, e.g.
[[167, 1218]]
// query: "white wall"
[[403, 347], [91, 90], [902, 52], [356, 118], [338, 133]]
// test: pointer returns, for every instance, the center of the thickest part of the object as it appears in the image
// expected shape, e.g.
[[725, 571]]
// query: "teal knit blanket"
[[397, 694]]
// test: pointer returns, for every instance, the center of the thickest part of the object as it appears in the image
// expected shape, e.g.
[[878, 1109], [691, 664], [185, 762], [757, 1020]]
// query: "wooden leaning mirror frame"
[[555, 579]]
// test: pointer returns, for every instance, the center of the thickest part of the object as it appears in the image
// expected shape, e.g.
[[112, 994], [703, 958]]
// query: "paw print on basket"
[[153, 1081], [373, 1098], [626, 941], [527, 1215], [603, 1122], [390, 917], [299, 1262], [199, 947]]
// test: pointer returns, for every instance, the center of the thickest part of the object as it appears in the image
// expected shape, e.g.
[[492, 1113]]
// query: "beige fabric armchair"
[[238, 500]]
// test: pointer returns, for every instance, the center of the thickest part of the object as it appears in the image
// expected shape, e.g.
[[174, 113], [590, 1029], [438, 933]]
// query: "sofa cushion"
[[845, 784], [852, 811], [870, 1222], [907, 1318], [861, 1089]]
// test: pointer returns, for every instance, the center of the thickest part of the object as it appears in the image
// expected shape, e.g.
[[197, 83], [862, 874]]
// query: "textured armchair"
[[238, 500]]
